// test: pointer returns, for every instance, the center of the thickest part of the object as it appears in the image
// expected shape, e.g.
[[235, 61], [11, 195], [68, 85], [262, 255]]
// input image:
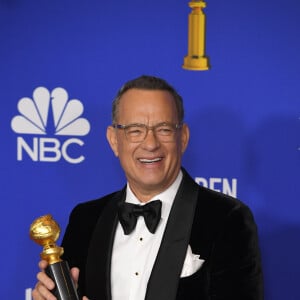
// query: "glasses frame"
[[124, 127]]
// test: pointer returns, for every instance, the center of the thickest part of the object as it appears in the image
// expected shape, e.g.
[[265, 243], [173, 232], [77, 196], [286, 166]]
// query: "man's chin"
[[153, 184]]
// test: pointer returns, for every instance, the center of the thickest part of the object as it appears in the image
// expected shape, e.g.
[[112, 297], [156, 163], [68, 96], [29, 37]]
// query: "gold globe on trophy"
[[45, 232]]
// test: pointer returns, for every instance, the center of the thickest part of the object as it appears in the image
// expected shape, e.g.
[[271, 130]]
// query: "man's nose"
[[151, 140]]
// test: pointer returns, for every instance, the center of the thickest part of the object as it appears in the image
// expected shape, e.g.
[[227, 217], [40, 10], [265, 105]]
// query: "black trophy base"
[[64, 286]]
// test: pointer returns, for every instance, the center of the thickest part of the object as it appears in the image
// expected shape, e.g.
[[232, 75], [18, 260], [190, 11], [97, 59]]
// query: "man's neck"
[[145, 195]]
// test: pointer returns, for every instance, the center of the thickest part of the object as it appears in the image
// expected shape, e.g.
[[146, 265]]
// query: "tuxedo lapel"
[[100, 250], [167, 268]]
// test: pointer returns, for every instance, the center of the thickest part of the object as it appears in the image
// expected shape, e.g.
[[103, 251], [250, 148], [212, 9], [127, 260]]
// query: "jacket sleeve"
[[77, 237], [236, 272]]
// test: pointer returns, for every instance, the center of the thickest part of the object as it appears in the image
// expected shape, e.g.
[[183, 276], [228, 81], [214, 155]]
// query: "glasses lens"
[[165, 130], [136, 133]]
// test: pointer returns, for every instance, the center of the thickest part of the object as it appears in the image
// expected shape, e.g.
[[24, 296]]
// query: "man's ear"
[[111, 136], [185, 136]]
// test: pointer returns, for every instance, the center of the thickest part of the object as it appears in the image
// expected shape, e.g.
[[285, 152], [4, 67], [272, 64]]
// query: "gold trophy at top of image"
[[196, 59]]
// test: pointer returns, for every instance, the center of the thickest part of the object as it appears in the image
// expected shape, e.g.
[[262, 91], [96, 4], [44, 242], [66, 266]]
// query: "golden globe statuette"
[[45, 232], [196, 59]]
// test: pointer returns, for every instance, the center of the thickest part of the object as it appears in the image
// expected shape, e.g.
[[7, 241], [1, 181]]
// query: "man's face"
[[151, 165]]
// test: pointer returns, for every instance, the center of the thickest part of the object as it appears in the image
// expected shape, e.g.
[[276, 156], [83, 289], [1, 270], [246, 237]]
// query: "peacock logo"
[[49, 113]]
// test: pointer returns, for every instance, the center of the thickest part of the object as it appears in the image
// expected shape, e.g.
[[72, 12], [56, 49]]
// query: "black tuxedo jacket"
[[219, 228]]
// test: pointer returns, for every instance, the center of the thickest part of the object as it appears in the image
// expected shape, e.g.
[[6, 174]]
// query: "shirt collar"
[[167, 197]]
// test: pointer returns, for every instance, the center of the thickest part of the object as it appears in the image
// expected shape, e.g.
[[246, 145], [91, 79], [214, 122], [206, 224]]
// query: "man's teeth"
[[145, 160]]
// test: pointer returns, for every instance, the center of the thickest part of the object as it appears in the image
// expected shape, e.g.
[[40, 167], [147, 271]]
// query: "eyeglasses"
[[136, 133]]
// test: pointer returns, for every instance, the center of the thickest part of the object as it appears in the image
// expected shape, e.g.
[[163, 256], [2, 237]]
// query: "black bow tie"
[[128, 214]]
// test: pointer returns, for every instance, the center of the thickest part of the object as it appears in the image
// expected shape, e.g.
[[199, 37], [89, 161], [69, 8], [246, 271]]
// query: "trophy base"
[[64, 286], [196, 63]]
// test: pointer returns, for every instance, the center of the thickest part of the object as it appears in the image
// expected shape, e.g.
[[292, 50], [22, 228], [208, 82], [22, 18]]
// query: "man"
[[205, 244]]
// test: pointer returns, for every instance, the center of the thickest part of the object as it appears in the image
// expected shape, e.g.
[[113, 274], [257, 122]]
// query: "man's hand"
[[45, 284]]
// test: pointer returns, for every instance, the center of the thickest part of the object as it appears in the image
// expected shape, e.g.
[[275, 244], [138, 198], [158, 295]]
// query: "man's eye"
[[134, 131], [164, 130]]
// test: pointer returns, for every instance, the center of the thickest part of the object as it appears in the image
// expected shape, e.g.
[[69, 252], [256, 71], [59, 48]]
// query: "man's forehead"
[[140, 97], [147, 106]]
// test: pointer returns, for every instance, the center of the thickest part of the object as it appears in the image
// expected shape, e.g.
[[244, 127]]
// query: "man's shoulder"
[[216, 208], [218, 199], [213, 200], [93, 208]]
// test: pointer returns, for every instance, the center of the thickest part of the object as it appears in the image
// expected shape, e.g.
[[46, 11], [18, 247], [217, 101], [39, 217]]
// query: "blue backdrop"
[[61, 63]]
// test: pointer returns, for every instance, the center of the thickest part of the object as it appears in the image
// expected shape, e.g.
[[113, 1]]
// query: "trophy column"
[[196, 59]]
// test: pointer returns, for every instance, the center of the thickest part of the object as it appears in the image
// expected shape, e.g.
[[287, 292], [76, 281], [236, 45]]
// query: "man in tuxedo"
[[162, 237]]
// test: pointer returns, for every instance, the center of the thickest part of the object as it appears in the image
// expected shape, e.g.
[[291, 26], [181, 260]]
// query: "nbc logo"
[[50, 113]]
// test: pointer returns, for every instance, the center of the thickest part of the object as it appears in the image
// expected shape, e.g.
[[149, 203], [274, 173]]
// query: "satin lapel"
[[100, 250], [166, 272]]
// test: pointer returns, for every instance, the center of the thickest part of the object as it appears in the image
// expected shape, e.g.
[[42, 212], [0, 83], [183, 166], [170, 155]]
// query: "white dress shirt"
[[134, 255]]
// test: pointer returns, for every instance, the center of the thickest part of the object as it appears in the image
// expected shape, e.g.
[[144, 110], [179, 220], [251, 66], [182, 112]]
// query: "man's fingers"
[[43, 265], [45, 280], [42, 293], [75, 275], [42, 290], [45, 284]]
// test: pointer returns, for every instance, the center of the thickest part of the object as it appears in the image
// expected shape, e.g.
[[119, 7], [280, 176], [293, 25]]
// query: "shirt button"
[[136, 273]]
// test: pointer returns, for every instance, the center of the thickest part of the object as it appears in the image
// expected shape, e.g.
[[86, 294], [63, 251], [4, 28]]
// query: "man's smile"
[[149, 161]]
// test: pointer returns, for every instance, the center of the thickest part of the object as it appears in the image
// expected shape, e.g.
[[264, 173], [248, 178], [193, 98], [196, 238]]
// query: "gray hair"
[[146, 82]]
